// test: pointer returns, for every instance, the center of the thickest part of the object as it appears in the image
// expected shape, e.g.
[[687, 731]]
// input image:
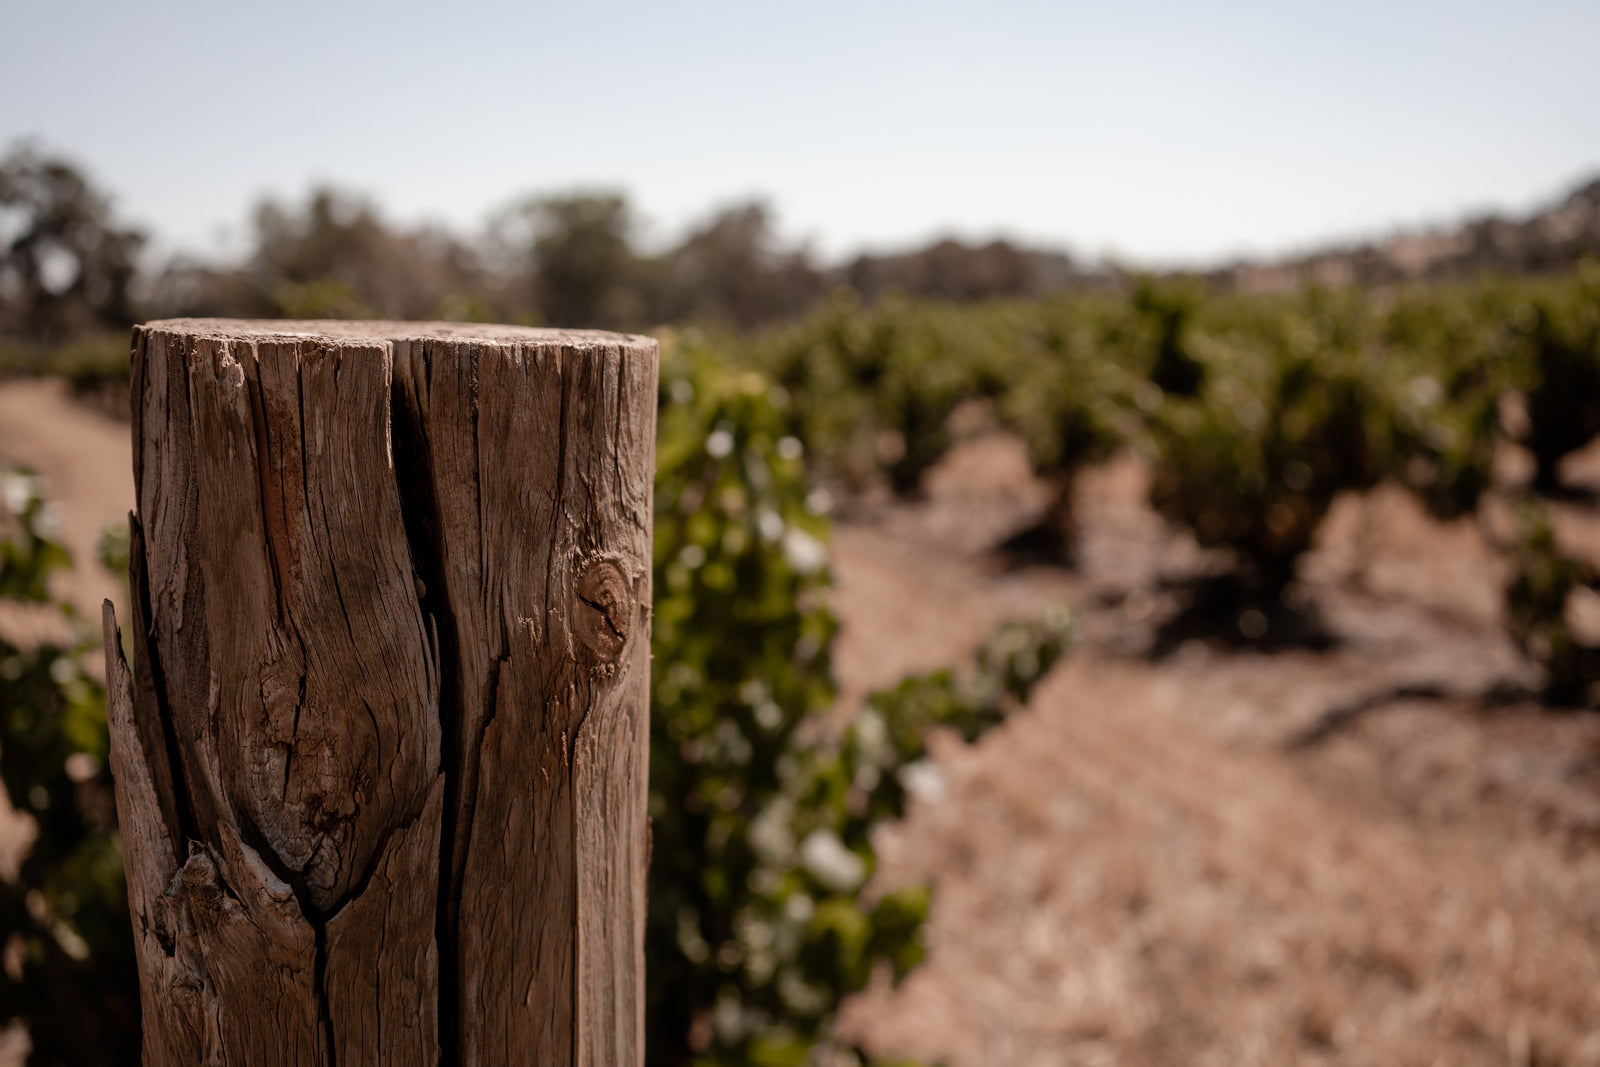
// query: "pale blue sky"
[[1159, 132]]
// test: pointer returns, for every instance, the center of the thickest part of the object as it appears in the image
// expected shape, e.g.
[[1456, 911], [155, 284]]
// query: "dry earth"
[[1151, 865], [85, 459], [1147, 865]]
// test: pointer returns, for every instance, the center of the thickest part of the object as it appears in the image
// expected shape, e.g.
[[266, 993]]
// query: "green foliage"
[[1167, 311], [762, 820], [1287, 418], [69, 968], [1564, 390], [1258, 410], [1544, 582], [740, 635], [31, 551], [874, 388], [88, 361], [1445, 359], [1071, 381], [863, 780]]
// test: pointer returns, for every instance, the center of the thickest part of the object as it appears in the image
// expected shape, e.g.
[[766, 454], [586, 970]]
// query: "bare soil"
[[84, 456], [1225, 856], [1219, 856]]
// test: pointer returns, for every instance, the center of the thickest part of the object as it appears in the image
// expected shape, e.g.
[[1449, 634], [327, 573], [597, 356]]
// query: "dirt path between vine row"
[[85, 460], [1146, 865], [1170, 863]]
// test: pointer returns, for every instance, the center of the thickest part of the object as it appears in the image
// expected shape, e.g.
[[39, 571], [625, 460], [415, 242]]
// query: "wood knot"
[[603, 615]]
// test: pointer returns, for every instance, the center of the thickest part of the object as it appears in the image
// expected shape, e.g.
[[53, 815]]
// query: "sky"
[[1154, 133]]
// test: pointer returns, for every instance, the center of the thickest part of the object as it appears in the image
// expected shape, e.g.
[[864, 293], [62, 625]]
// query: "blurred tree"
[[574, 261], [951, 270], [65, 265], [334, 256], [731, 270]]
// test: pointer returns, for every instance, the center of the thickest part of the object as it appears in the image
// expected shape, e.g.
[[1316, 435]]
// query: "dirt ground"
[[1219, 856], [1224, 856], [85, 458]]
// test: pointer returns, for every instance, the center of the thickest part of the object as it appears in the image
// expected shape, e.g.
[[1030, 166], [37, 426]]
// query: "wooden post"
[[380, 761]]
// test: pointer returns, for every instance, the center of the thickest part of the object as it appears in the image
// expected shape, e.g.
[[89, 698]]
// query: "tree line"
[[69, 266]]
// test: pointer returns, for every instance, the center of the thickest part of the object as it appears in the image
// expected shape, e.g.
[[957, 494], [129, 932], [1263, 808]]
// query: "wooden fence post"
[[381, 758]]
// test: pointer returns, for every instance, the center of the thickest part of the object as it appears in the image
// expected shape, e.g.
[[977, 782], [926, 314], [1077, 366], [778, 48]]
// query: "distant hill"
[[1552, 239], [1555, 238]]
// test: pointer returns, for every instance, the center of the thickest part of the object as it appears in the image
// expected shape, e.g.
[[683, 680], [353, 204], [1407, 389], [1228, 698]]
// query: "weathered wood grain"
[[381, 762]]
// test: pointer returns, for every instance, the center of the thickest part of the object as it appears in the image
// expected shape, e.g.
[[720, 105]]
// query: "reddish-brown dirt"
[[85, 459], [1149, 864]]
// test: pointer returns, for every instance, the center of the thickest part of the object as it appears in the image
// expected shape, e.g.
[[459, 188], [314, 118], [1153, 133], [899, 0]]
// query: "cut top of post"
[[380, 331]]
